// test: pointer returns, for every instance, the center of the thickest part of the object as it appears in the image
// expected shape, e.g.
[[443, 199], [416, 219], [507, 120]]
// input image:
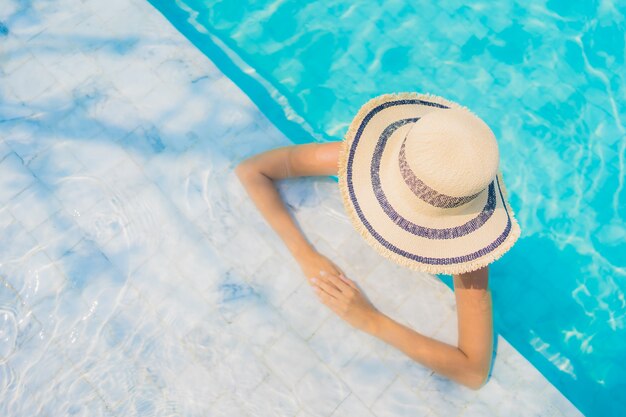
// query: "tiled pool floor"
[[138, 279]]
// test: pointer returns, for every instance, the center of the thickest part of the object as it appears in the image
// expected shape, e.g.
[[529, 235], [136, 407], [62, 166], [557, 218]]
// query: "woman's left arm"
[[468, 363]]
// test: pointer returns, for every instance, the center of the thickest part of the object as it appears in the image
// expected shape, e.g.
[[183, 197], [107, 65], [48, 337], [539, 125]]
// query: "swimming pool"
[[547, 77]]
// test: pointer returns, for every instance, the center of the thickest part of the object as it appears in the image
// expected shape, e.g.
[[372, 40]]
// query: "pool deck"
[[136, 278]]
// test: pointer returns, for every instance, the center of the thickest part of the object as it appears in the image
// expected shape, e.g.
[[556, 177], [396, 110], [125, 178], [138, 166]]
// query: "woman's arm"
[[469, 363], [258, 173]]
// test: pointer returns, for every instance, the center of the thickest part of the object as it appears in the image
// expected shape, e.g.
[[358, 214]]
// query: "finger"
[[339, 271], [323, 296], [348, 281], [334, 271], [314, 281], [339, 283], [329, 289], [329, 301], [323, 275]]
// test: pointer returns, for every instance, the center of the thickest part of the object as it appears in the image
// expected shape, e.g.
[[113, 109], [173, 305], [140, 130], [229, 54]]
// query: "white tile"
[[304, 413], [197, 387], [55, 164], [161, 102], [272, 398], [331, 225], [14, 177], [241, 372], [275, 281], [201, 267], [392, 285], [227, 406], [478, 409], [98, 156], [34, 205], [399, 400], [14, 53], [30, 138], [246, 250], [232, 295], [56, 96], [139, 19], [29, 80], [511, 407], [16, 244], [411, 372], [304, 311], [182, 309], [155, 279], [336, 342], [535, 403], [449, 330], [109, 10], [414, 374], [75, 123], [134, 81], [57, 234], [117, 114], [74, 69], [290, 358], [211, 340], [81, 193], [492, 393], [72, 384], [367, 376], [35, 277], [527, 376], [557, 403], [360, 258], [217, 222], [182, 72], [143, 142], [109, 62], [29, 361], [124, 248], [444, 394], [114, 375], [5, 149], [260, 325], [424, 312], [352, 406], [88, 33], [320, 391], [128, 176], [83, 262]]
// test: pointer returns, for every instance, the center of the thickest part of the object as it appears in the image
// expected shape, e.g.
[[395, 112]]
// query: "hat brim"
[[467, 238]]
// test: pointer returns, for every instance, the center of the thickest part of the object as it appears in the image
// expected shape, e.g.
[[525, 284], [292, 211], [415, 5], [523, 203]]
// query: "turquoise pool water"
[[548, 78]]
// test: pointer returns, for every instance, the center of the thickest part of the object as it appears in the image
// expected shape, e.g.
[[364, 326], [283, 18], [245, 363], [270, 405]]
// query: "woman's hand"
[[316, 265], [346, 299]]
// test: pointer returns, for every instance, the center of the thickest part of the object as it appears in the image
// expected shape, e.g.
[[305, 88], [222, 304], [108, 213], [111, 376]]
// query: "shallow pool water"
[[548, 77]]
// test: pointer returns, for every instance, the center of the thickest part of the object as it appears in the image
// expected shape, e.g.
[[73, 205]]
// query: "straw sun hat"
[[420, 179]]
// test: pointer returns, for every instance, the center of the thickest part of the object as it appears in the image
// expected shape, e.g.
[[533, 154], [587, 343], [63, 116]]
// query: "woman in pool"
[[419, 178]]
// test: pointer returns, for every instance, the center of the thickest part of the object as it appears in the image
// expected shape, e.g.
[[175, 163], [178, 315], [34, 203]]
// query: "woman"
[[419, 177]]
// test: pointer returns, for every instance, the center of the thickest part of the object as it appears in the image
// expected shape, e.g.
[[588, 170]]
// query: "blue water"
[[548, 77]]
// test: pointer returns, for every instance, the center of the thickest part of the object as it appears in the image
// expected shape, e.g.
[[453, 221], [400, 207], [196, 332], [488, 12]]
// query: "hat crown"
[[453, 152]]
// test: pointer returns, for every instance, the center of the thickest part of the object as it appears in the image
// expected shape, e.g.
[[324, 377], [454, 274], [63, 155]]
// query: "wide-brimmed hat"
[[420, 179]]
